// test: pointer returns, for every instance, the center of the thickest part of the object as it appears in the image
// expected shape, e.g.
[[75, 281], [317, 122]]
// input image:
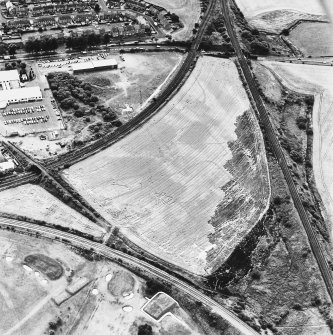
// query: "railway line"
[[115, 254], [276, 148], [17, 180], [72, 157], [91, 149]]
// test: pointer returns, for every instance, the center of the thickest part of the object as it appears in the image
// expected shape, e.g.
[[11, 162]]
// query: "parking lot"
[[30, 117], [64, 64]]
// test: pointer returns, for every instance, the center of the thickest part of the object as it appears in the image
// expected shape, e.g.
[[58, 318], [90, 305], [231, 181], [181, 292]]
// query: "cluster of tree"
[[69, 90], [8, 49], [301, 122], [259, 47], [54, 326], [174, 17], [216, 25], [37, 45], [153, 287], [145, 330], [82, 42]]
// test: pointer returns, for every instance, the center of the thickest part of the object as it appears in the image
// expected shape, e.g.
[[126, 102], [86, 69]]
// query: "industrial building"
[[96, 65], [6, 165], [11, 91], [17, 95], [9, 80]]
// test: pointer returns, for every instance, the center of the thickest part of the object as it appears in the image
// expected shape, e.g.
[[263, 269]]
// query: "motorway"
[[276, 148], [115, 254]]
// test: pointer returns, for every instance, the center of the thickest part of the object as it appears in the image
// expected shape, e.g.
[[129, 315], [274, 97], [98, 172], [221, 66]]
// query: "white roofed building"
[[23, 94], [97, 65], [7, 166], [9, 80]]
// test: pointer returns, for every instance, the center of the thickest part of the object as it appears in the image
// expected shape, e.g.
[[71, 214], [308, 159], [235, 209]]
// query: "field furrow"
[[192, 182]]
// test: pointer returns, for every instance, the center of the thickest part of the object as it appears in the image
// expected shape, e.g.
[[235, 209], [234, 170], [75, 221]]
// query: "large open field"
[[315, 80], [305, 37], [188, 12], [138, 77], [34, 202], [193, 181], [30, 302], [273, 16]]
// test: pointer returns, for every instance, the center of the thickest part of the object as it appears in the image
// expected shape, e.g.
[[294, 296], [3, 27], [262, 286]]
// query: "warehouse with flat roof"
[[9, 80], [23, 94], [96, 65]]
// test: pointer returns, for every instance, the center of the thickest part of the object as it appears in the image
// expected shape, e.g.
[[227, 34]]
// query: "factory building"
[[11, 91], [98, 65], [17, 95], [9, 80]]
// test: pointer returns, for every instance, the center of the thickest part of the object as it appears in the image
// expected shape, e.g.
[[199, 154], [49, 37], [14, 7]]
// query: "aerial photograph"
[[165, 167]]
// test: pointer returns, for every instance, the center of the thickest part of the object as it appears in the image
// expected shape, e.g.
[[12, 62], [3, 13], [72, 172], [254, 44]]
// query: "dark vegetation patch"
[[46, 265], [292, 118], [216, 36], [82, 107], [255, 41], [244, 193]]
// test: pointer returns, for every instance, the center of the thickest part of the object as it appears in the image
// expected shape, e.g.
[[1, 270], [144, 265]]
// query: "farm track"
[[112, 254], [107, 140], [277, 150]]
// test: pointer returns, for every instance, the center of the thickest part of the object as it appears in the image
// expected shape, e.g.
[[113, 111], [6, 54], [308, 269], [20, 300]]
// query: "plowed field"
[[193, 181]]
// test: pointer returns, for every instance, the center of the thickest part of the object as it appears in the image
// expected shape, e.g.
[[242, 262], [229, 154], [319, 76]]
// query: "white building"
[[7, 166], [9, 79], [96, 65], [23, 94]]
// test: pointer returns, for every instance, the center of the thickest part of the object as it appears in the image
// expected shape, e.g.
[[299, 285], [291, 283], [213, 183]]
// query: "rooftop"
[[10, 75], [20, 93]]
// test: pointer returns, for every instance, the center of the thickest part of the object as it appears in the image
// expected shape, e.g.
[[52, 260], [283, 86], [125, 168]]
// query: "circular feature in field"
[[46, 265], [121, 283]]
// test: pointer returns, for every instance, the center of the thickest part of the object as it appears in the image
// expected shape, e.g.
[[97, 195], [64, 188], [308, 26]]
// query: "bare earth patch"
[[182, 186], [34, 202], [273, 16], [137, 78]]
